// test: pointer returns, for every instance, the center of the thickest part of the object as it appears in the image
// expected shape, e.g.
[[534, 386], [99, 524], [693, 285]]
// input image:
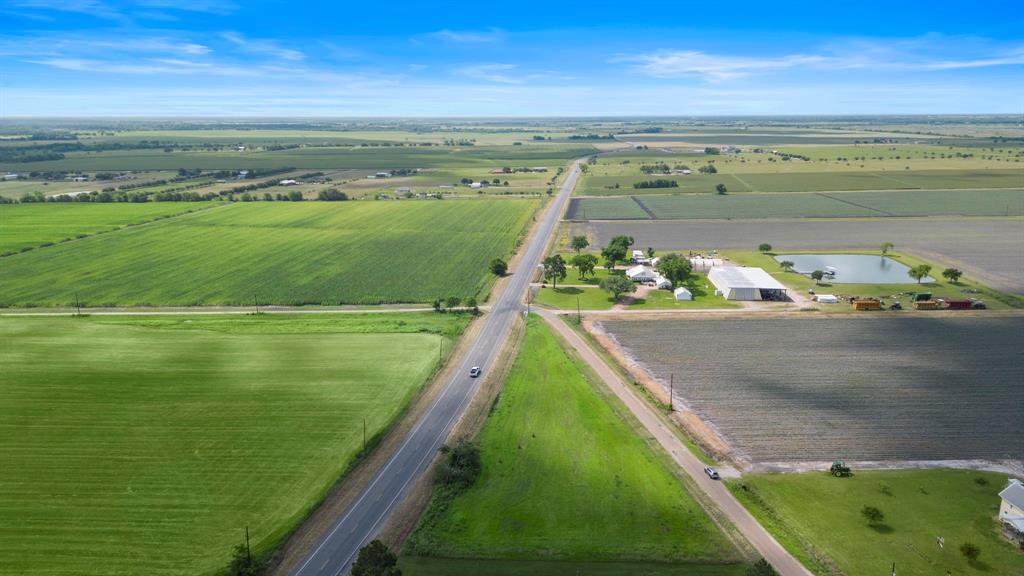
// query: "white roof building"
[[288, 182], [827, 298], [701, 264], [662, 283], [682, 294], [641, 274], [742, 283], [10, 176]]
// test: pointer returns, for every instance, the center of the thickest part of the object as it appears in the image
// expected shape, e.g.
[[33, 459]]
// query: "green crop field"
[[791, 181], [817, 517], [606, 495], [361, 252], [32, 225], [145, 445], [333, 158], [1001, 202]]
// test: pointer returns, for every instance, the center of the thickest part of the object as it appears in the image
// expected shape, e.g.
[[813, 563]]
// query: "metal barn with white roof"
[[742, 283]]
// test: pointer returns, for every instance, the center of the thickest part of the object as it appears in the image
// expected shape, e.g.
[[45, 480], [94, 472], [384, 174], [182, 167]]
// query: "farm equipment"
[[926, 305], [964, 304], [979, 305], [839, 469], [896, 306], [867, 304], [920, 296]]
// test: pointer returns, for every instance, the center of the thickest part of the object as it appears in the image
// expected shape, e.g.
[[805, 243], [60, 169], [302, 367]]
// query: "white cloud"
[[674, 64], [488, 35], [491, 73], [262, 47]]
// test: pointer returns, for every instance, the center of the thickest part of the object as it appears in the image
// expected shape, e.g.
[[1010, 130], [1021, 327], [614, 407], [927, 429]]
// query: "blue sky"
[[277, 58]]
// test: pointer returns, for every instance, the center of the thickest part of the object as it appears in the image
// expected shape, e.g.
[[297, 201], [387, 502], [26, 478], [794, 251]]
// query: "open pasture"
[[820, 389], [919, 506], [986, 249], [146, 445], [32, 225], [359, 252], [606, 495], [1002, 202]]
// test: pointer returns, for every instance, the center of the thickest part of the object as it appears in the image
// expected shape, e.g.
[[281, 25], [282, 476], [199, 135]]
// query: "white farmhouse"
[[642, 274], [1011, 510]]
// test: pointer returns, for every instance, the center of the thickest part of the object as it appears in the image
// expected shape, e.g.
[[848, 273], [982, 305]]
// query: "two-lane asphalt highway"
[[364, 517]]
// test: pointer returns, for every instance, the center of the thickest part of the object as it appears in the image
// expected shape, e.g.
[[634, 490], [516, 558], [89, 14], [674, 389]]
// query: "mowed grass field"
[[361, 252], [146, 445], [1008, 202], [32, 225], [817, 518], [567, 477]]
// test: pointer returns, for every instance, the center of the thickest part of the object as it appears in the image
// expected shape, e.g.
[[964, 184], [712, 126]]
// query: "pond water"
[[853, 268]]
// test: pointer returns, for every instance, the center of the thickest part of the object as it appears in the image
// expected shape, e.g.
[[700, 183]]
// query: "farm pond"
[[852, 268]]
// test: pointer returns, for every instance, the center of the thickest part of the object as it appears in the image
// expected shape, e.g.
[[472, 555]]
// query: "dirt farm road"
[[761, 540]]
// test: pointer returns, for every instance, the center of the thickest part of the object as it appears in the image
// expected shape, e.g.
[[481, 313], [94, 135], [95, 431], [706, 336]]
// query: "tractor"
[[839, 469]]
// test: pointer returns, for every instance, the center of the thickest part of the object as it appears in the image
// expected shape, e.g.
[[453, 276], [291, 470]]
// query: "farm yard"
[[919, 507], [819, 389], [146, 445], [987, 249], [605, 496], [278, 253]]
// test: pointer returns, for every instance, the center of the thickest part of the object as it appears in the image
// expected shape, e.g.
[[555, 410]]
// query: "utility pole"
[[364, 436], [78, 306], [248, 551], [671, 390], [579, 317], [257, 301]]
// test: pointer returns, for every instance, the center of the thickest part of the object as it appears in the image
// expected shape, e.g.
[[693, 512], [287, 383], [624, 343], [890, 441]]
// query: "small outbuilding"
[[744, 283], [682, 294], [827, 299], [662, 283]]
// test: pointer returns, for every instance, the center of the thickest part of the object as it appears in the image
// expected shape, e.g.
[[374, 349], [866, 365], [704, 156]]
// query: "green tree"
[[621, 240], [817, 275], [618, 285], [970, 551], [650, 252], [452, 302], [462, 464], [554, 269], [952, 274], [585, 263], [721, 189], [242, 562], [613, 253], [674, 267], [919, 272], [765, 248], [761, 568], [499, 267], [376, 559], [471, 303], [579, 243], [787, 265], [331, 195], [873, 515], [886, 247]]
